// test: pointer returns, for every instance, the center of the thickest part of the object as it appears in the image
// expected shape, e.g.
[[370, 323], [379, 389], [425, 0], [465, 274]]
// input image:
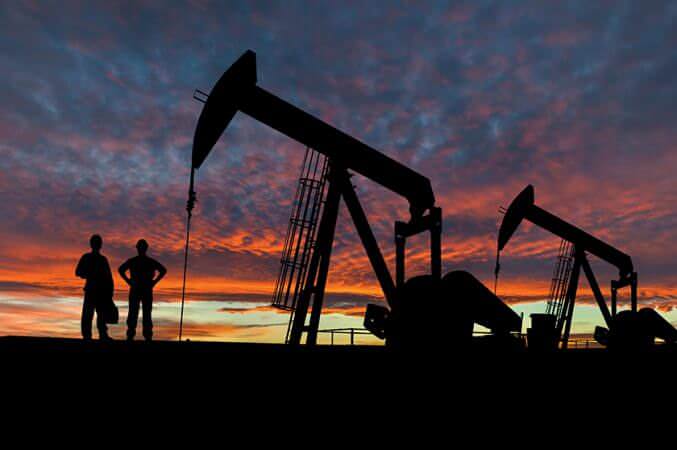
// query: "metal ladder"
[[560, 281], [301, 233]]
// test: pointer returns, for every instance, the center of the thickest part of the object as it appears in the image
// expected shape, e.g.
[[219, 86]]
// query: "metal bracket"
[[431, 222], [200, 96]]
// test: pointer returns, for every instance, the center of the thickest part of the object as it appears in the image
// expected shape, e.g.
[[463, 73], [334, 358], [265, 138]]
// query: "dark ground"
[[281, 363], [337, 386]]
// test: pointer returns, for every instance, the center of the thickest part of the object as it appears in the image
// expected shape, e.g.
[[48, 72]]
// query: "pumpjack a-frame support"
[[312, 298], [581, 262]]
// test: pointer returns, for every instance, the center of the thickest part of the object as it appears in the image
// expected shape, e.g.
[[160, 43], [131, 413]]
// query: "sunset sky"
[[482, 97]]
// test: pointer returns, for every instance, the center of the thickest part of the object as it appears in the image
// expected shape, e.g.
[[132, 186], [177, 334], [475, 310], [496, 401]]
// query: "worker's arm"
[[161, 270], [122, 270], [110, 285], [81, 269]]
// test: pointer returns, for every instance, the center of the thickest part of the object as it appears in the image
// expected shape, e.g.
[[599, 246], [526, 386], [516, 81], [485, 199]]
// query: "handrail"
[[351, 331]]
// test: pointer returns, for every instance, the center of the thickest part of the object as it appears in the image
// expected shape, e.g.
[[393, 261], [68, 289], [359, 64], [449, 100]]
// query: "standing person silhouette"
[[141, 281], [94, 268]]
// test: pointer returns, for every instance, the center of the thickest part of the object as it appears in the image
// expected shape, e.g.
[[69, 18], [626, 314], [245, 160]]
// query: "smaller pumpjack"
[[625, 329], [423, 311]]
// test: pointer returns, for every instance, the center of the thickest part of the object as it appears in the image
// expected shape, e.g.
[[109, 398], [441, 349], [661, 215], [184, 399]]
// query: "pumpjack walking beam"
[[236, 91], [523, 207]]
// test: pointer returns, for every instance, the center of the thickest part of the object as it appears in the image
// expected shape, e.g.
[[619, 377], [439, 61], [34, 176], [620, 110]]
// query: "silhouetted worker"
[[94, 268], [141, 281]]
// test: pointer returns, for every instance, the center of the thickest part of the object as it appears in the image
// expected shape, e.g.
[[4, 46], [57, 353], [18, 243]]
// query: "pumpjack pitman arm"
[[236, 91]]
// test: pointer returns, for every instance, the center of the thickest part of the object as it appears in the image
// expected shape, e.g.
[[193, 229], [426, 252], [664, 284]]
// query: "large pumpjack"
[[429, 309], [625, 329]]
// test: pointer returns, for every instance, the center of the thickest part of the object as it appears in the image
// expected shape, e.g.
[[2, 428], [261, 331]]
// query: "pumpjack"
[[431, 309], [629, 328]]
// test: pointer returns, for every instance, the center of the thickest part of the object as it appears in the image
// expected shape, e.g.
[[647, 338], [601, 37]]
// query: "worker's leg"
[[87, 316], [101, 319], [147, 302], [133, 313]]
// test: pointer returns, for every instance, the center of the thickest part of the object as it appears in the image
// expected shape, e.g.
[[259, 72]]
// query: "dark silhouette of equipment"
[[419, 307], [625, 329]]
